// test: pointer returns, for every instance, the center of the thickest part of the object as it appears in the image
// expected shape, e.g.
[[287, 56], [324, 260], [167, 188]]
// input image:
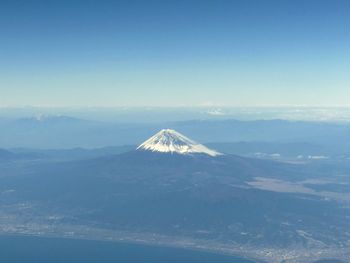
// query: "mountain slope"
[[186, 195], [168, 140], [6, 155]]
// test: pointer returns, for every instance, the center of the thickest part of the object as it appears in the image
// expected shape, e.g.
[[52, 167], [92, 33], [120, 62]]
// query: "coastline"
[[136, 244], [250, 253]]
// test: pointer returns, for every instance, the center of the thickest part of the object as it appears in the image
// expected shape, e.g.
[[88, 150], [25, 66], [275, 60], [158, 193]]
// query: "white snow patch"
[[171, 141]]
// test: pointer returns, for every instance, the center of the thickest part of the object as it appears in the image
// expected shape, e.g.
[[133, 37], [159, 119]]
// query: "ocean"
[[29, 249]]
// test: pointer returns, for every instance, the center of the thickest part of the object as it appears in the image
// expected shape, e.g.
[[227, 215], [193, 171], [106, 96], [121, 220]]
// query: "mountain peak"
[[171, 141]]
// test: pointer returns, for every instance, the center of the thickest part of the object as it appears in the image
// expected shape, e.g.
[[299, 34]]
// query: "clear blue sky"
[[173, 53]]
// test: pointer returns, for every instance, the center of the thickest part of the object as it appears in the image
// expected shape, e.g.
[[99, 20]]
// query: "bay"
[[30, 249]]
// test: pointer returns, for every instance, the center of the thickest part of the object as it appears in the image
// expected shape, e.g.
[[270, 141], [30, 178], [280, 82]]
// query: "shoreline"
[[250, 253], [132, 243]]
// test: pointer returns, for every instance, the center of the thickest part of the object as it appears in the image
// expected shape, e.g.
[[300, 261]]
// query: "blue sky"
[[175, 53]]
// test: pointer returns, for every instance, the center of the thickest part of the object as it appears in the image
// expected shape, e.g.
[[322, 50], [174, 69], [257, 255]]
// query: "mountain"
[[6, 155], [169, 189], [171, 141], [74, 153], [49, 119], [62, 132]]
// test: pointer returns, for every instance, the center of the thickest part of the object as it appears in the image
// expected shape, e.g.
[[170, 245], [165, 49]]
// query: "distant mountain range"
[[266, 138], [6, 155]]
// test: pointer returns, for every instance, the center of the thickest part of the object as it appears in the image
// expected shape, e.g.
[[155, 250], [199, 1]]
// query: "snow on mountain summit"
[[171, 141]]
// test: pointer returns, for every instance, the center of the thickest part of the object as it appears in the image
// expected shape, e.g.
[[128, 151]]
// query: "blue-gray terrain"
[[280, 201]]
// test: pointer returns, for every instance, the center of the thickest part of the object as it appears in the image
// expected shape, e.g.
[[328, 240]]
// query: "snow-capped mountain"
[[171, 141]]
